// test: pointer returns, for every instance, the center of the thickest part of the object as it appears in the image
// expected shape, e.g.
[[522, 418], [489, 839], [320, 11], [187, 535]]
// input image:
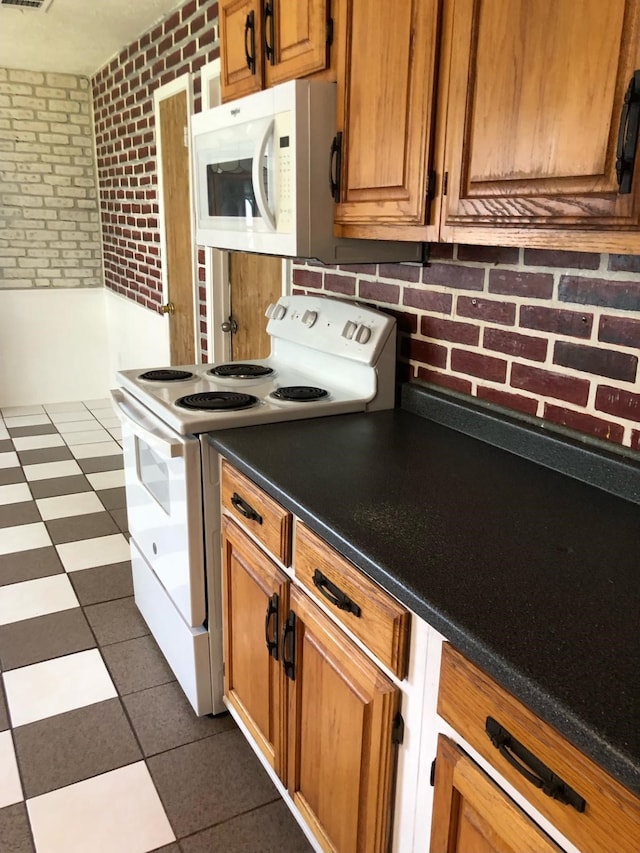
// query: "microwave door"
[[259, 189]]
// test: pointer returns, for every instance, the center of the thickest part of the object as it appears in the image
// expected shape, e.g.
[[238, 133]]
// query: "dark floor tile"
[[44, 637], [75, 527], [269, 829], [44, 454], [66, 748], [210, 781], [104, 583], [163, 719], [60, 486], [136, 665], [113, 498], [27, 565], [6, 445], [4, 716], [120, 518], [14, 829], [23, 512], [11, 475], [36, 429], [100, 463], [116, 621]]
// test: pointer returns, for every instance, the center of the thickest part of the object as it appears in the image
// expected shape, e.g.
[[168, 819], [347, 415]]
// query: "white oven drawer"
[[164, 504], [186, 649]]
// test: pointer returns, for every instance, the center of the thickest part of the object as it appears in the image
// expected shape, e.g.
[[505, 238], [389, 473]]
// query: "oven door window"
[[153, 473]]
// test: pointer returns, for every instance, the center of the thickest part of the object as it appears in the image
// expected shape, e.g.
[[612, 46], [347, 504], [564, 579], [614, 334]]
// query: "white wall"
[[137, 337], [53, 345]]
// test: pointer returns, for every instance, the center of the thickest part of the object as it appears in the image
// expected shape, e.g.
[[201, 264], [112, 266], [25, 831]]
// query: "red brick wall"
[[551, 334], [125, 143]]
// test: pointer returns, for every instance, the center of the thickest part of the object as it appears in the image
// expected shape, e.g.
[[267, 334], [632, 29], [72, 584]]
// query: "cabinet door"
[[296, 38], [341, 711], [535, 102], [470, 812], [241, 52], [386, 81], [254, 601]]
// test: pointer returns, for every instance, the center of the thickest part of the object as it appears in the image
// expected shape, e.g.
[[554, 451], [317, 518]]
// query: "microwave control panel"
[[285, 171]]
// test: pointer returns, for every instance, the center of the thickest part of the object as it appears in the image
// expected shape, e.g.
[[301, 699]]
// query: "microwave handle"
[[147, 432], [256, 176]]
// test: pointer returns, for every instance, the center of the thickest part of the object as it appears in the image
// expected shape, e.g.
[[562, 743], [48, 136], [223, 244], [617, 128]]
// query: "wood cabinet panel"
[[535, 99], [386, 86], [299, 34], [240, 24], [341, 756], [611, 816], [471, 813], [254, 680]]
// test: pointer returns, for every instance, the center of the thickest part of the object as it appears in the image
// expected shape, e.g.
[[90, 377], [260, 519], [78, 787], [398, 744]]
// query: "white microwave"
[[262, 176]]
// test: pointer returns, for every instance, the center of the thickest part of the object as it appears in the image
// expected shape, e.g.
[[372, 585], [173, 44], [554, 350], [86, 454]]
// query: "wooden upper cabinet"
[[386, 84], [536, 94], [297, 34]]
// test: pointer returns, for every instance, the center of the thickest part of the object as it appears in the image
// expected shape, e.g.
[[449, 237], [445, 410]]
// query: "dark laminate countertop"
[[533, 574]]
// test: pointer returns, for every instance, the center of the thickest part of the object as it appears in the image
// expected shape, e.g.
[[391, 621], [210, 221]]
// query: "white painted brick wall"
[[49, 219]]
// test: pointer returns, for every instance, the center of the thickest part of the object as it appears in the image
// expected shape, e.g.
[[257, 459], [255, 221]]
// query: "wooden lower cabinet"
[[471, 814], [255, 593]]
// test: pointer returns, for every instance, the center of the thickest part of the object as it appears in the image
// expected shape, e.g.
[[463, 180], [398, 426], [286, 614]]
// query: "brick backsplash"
[[50, 225], [551, 334], [125, 144]]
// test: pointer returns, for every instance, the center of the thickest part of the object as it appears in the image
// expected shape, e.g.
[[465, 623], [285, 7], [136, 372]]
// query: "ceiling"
[[74, 36]]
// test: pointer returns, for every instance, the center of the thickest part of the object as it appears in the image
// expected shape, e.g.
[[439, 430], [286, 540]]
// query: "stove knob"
[[309, 318], [348, 330], [363, 334], [269, 312], [278, 312]]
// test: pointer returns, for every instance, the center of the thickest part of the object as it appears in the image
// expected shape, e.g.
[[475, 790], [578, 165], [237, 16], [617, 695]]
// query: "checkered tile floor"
[[99, 750]]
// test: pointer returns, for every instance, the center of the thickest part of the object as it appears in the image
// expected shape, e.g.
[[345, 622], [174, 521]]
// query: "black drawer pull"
[[535, 771], [271, 637], [245, 509], [334, 594], [628, 135], [289, 645], [250, 42]]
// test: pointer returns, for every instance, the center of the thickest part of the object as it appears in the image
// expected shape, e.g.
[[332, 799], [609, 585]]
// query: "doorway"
[[255, 281]]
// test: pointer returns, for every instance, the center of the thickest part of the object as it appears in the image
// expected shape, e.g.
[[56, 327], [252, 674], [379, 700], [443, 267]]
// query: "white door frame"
[[180, 84]]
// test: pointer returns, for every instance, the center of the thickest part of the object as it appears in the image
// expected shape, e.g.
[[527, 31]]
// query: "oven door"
[[164, 504]]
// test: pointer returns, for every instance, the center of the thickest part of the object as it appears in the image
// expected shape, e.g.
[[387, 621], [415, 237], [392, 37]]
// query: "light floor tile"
[[71, 416], [3, 432], [10, 787], [17, 411], [121, 809], [14, 493], [101, 551], [26, 420], [70, 427], [90, 436], [106, 479], [109, 420], [9, 459], [23, 537], [102, 403], [68, 406], [28, 599], [64, 506], [101, 448], [49, 470], [35, 442], [56, 686], [116, 432]]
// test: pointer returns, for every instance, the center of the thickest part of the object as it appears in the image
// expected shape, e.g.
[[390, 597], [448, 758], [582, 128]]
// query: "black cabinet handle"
[[269, 27], [628, 135], [529, 766], [271, 636], [245, 509], [289, 646], [335, 157], [250, 42], [334, 594]]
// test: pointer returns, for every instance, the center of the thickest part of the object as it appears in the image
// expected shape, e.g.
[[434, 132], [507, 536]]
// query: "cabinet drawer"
[[359, 604], [257, 512], [611, 816]]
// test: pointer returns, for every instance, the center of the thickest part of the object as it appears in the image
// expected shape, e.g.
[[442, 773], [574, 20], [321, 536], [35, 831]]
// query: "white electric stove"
[[327, 357]]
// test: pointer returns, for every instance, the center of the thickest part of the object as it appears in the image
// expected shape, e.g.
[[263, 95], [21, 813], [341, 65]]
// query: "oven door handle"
[[145, 429]]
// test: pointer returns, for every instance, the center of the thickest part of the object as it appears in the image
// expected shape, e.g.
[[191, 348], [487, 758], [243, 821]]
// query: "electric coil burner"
[[238, 370], [300, 393], [166, 375], [216, 401]]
